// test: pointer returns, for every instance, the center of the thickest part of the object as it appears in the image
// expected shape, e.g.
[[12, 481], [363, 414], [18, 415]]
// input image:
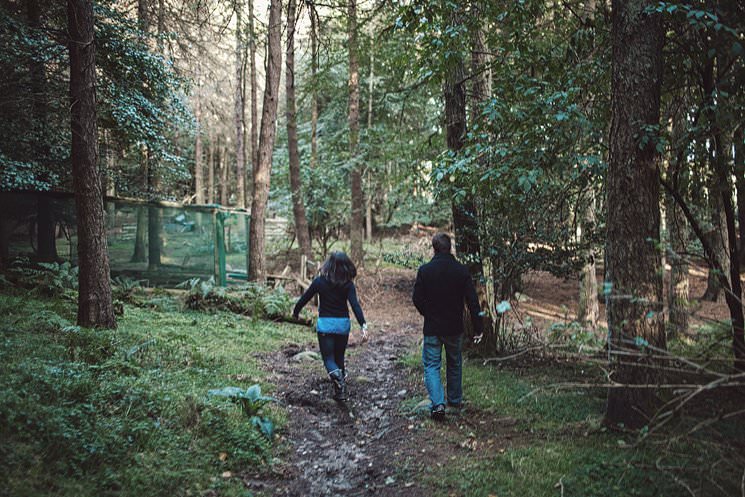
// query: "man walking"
[[442, 286]]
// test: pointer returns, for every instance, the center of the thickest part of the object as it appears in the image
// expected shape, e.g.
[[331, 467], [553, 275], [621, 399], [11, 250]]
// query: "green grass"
[[559, 442], [126, 412]]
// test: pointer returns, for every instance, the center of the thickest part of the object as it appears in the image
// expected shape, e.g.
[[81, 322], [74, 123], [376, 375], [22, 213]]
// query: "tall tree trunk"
[[256, 267], [139, 254], [717, 231], [588, 310], [211, 170], [356, 220], [224, 169], [198, 146], [154, 219], [314, 89], [298, 209], [370, 91], [677, 228], [198, 152], [739, 161], [254, 90], [46, 240], [678, 286], [46, 237], [633, 261], [95, 307], [464, 211], [239, 106]]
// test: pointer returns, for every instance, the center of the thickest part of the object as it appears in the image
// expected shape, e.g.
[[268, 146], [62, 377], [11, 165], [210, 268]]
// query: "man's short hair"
[[441, 243]]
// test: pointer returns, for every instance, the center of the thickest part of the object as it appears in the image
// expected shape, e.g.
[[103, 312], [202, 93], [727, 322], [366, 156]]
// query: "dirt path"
[[357, 447], [376, 443]]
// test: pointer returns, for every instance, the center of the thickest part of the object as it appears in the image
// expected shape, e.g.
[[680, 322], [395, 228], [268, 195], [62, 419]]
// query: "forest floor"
[[382, 442]]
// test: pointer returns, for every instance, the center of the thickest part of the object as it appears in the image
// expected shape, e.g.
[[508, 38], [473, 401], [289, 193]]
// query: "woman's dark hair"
[[441, 243], [338, 269]]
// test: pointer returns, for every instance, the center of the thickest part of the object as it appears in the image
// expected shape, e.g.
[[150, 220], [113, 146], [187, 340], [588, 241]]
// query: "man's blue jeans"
[[432, 360]]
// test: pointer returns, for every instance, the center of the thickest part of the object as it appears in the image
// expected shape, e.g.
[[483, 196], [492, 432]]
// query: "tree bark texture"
[[95, 307], [296, 187], [678, 284], [254, 86], [256, 269], [211, 170], [198, 152], [314, 89], [140, 254], [224, 174], [239, 106], [464, 212], [633, 262], [588, 310], [356, 222], [739, 161], [370, 94]]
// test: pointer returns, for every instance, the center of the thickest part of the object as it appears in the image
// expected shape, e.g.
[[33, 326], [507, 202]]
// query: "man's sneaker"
[[438, 412]]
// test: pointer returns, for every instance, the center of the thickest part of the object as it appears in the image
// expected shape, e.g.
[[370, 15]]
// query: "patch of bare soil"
[[376, 443]]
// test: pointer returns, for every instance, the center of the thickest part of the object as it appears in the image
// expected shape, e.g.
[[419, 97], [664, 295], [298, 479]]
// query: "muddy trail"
[[380, 441]]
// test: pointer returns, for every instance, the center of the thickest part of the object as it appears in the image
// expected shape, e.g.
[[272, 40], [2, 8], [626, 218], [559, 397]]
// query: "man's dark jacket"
[[442, 286]]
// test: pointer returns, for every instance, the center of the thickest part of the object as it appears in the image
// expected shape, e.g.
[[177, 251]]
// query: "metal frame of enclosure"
[[192, 240]]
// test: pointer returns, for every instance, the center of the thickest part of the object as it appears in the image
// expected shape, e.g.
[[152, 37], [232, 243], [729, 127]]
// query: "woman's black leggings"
[[332, 347]]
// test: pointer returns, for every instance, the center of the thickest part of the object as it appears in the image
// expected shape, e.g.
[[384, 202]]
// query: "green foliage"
[[50, 279], [251, 402], [250, 299], [98, 412], [140, 100]]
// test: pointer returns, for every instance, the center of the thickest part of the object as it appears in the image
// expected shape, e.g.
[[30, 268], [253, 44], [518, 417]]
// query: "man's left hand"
[[477, 339]]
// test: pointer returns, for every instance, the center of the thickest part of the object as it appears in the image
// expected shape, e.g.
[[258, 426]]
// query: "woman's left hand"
[[364, 333]]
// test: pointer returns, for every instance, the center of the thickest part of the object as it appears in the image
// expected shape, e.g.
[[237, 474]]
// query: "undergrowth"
[[127, 412]]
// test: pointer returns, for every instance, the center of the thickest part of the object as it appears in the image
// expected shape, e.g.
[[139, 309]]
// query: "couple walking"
[[442, 287]]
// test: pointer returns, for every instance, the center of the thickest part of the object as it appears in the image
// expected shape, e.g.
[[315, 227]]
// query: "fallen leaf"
[[223, 456], [227, 474]]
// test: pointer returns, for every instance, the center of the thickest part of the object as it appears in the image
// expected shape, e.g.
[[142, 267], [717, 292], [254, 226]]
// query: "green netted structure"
[[163, 243]]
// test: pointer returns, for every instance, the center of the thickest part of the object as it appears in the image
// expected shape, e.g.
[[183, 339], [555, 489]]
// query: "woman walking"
[[335, 288]]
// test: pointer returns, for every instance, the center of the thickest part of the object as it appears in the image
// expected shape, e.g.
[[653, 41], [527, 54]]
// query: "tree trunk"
[[254, 86], [464, 211], [95, 307], [739, 161], [677, 229], [239, 105], [198, 152], [633, 262], [314, 87], [256, 267], [588, 309], [369, 189], [677, 294], [198, 166], [46, 240], [356, 221], [211, 170], [46, 237], [716, 233], [154, 223], [139, 254], [298, 208], [223, 159]]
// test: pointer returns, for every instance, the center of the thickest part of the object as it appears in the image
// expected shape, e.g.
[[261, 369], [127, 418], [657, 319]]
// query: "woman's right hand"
[[364, 333]]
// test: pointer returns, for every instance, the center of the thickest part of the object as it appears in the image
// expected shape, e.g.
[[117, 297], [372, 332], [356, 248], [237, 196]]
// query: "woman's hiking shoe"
[[438, 412], [340, 386]]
